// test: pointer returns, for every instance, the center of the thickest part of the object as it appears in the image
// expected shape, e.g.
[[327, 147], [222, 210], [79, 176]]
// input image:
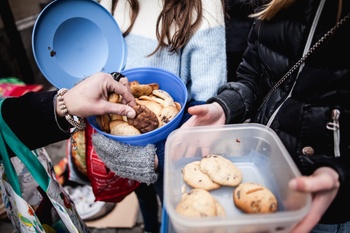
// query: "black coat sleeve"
[[32, 118]]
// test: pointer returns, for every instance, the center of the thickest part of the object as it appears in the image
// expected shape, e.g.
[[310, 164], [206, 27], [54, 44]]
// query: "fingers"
[[320, 203], [311, 219], [125, 82], [322, 179], [120, 109], [122, 87], [206, 114], [323, 184], [90, 97], [197, 110], [198, 116]]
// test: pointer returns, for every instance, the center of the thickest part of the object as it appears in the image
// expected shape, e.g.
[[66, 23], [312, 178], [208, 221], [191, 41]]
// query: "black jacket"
[[32, 118], [237, 25], [323, 85]]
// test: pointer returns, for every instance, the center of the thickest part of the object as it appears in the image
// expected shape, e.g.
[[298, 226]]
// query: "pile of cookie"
[[212, 172], [155, 108]]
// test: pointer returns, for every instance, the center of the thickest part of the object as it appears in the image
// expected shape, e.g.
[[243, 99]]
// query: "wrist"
[[75, 121], [61, 122]]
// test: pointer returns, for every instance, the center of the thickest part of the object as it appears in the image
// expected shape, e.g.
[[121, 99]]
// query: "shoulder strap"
[[304, 57]]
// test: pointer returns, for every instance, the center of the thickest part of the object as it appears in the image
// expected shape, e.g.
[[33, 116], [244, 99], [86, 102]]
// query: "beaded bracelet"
[[79, 124]]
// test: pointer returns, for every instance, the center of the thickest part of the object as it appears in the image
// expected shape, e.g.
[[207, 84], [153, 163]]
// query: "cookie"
[[145, 120], [114, 98], [254, 198], [122, 128], [103, 122], [197, 203], [195, 178], [138, 89], [221, 170], [220, 210], [78, 151]]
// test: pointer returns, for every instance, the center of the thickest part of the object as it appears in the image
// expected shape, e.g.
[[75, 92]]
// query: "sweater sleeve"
[[32, 118], [203, 59]]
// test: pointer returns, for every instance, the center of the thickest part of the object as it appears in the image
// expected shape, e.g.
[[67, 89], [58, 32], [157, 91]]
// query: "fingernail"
[[293, 184], [130, 115]]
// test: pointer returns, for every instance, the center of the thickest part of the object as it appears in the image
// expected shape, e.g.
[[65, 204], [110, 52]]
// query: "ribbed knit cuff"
[[126, 161], [232, 105]]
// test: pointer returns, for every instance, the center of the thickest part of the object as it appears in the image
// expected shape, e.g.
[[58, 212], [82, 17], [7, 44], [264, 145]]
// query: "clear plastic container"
[[258, 152]]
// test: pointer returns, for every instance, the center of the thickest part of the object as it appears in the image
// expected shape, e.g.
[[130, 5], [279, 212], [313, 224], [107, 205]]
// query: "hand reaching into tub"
[[94, 91]]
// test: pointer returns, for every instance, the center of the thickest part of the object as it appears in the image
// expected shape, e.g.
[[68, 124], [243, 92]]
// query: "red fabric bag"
[[106, 185]]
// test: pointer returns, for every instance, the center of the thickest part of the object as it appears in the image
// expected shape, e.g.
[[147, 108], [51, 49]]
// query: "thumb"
[[120, 109], [322, 179], [197, 110]]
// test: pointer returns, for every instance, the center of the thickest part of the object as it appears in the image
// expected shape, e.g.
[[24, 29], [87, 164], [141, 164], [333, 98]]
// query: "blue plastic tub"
[[168, 82]]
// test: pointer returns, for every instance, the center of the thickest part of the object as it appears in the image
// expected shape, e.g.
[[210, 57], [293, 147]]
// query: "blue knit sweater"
[[201, 64]]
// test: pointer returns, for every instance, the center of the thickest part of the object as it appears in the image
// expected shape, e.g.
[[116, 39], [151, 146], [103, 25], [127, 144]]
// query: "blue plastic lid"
[[73, 39]]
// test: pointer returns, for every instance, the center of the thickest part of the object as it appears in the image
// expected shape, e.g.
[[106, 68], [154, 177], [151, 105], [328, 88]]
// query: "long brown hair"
[[274, 6], [186, 15], [271, 9]]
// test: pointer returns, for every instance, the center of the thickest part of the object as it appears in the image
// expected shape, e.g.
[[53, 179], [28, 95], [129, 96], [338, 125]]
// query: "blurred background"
[[16, 25]]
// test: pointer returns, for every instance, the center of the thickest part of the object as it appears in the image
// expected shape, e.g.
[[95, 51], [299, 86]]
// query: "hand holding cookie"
[[155, 107]]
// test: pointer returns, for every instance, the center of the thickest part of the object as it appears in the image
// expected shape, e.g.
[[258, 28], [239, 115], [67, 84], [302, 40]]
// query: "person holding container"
[[186, 38], [295, 79], [37, 119]]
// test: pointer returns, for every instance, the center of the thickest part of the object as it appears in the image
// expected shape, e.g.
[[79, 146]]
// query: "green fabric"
[[12, 80], [10, 171], [24, 154]]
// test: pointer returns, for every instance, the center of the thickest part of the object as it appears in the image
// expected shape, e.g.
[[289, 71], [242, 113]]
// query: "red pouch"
[[14, 90], [106, 185]]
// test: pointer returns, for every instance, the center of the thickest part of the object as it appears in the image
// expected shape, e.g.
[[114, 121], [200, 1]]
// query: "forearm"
[[32, 118]]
